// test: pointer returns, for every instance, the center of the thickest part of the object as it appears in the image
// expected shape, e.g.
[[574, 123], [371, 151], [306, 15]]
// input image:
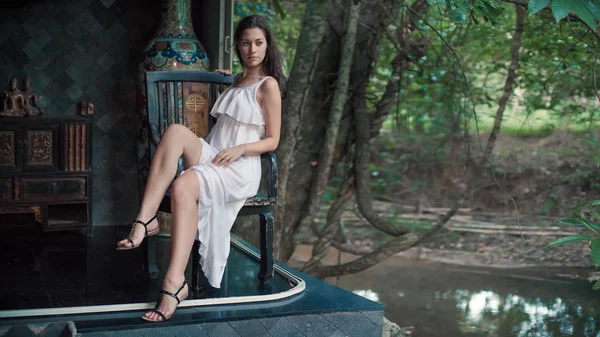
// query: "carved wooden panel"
[[40, 147], [6, 189], [53, 189], [76, 147], [196, 97], [7, 148]]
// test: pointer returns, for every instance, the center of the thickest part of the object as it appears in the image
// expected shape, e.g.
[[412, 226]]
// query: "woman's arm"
[[269, 98]]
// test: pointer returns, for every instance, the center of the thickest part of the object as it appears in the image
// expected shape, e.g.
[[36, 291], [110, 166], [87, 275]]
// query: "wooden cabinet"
[[45, 169]]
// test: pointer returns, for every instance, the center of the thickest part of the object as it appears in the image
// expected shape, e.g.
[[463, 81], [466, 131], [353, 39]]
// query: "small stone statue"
[[14, 100], [18, 103], [32, 103]]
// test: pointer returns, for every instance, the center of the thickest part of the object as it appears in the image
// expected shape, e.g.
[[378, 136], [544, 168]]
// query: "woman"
[[222, 171]]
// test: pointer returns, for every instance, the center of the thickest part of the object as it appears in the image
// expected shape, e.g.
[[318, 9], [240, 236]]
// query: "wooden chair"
[[167, 92]]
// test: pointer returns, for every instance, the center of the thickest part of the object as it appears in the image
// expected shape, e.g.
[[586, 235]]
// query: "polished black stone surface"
[[47, 270], [66, 269]]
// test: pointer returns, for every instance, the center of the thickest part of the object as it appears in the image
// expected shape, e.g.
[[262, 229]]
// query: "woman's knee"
[[185, 187], [174, 131]]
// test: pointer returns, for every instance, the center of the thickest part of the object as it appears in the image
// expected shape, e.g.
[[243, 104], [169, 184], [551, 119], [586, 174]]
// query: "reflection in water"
[[487, 311], [441, 301], [370, 294]]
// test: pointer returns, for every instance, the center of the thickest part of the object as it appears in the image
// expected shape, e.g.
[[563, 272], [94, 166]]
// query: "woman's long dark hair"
[[272, 61]]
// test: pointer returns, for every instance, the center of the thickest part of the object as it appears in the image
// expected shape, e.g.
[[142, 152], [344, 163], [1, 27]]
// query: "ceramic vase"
[[173, 47]]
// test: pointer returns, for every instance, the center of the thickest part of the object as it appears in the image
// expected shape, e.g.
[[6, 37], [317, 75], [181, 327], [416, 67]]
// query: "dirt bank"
[[510, 217]]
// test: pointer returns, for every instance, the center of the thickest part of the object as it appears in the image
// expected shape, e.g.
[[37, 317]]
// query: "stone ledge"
[[359, 324], [59, 329]]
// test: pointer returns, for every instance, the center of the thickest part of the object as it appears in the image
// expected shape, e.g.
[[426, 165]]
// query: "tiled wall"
[[78, 50]]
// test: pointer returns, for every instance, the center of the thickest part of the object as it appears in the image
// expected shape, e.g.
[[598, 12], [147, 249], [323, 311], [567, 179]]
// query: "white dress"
[[223, 191]]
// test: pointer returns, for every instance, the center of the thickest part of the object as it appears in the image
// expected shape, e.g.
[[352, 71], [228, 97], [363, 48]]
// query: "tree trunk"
[[321, 175], [306, 110], [508, 84], [300, 111]]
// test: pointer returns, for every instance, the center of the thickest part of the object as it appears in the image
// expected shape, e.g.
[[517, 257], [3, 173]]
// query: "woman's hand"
[[223, 71], [228, 156]]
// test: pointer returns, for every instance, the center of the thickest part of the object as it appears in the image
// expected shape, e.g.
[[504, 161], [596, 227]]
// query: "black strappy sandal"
[[146, 233], [160, 298]]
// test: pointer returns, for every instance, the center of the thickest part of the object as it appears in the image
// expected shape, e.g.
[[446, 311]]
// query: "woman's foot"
[[167, 302], [139, 230]]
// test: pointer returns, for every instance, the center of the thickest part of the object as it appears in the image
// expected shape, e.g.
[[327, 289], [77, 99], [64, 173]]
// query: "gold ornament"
[[195, 103], [197, 129]]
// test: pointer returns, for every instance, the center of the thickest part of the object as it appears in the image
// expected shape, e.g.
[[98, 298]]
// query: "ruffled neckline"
[[251, 85], [240, 104]]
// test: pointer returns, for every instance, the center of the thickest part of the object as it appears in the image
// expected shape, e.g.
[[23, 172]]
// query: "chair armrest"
[[271, 173]]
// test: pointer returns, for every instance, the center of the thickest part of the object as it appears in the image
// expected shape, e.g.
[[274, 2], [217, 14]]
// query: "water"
[[450, 301]]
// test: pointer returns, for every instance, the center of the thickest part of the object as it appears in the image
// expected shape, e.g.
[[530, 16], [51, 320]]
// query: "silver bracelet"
[[245, 149]]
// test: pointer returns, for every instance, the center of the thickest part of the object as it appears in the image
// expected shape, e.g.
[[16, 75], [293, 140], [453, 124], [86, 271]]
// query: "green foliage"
[[578, 219], [462, 12], [450, 92], [570, 239], [593, 239], [535, 6], [560, 9], [595, 247]]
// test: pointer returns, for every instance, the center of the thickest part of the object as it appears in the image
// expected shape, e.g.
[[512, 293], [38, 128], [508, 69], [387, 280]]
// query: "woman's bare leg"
[[177, 140], [184, 225]]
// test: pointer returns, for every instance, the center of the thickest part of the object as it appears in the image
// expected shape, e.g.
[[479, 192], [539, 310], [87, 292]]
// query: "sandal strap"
[[140, 222], [160, 314], [175, 296], [145, 224]]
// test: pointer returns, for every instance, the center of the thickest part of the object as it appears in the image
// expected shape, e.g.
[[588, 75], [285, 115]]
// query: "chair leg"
[[150, 257], [266, 247], [196, 266]]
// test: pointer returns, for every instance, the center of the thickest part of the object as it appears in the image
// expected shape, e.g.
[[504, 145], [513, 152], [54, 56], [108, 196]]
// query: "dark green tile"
[[52, 27], [223, 330], [42, 59], [74, 92], [15, 54], [96, 334], [106, 61], [116, 30], [31, 48], [20, 37], [108, 3], [269, 322], [127, 333], [250, 328], [375, 316], [41, 37], [284, 328], [189, 331], [55, 330], [157, 332], [354, 323], [19, 331], [75, 29], [312, 325]]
